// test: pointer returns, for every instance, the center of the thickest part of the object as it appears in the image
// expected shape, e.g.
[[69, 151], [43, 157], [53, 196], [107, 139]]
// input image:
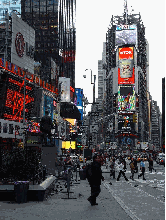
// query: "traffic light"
[[135, 118]]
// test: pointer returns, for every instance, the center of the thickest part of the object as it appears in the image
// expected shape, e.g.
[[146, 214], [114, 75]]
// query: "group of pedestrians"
[[133, 166]]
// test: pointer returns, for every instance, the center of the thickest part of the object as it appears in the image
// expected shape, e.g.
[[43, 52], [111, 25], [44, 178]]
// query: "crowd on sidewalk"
[[94, 171]]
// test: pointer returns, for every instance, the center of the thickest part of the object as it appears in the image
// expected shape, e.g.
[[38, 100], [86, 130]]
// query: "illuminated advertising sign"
[[48, 105], [125, 123], [15, 99], [126, 98], [79, 95], [126, 72], [126, 53], [126, 66], [126, 34], [65, 89], [73, 124], [69, 144]]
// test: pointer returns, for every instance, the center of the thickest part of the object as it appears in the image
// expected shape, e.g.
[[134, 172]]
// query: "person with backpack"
[[132, 167], [94, 176]]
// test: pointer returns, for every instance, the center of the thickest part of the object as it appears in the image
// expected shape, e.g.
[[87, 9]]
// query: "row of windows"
[[46, 45]]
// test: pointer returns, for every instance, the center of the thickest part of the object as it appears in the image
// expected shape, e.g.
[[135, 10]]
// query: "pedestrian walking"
[[135, 165], [107, 161], [142, 168], [94, 178], [150, 160], [122, 171], [132, 167], [45, 127], [112, 168]]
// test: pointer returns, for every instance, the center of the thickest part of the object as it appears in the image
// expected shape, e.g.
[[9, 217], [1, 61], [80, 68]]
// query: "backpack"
[[132, 166], [89, 171]]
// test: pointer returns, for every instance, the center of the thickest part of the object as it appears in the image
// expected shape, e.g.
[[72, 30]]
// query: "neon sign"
[[29, 77], [15, 100]]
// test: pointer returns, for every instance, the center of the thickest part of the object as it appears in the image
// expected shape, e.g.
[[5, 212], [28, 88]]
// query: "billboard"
[[69, 144], [126, 53], [126, 66], [48, 105], [23, 44], [125, 123], [14, 104], [79, 103], [73, 124], [65, 89], [126, 34], [126, 98]]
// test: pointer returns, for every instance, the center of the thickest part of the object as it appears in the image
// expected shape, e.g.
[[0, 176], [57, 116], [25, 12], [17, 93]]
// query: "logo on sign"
[[19, 44], [126, 53]]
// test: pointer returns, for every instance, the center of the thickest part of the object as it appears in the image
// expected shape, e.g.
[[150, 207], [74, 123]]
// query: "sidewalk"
[[119, 201], [56, 208]]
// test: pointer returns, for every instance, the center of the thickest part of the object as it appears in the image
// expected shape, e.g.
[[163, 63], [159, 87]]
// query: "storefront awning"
[[69, 110]]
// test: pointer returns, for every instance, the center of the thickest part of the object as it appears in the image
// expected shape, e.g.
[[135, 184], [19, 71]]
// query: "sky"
[[92, 22]]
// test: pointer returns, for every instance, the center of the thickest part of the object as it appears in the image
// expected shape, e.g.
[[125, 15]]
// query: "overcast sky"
[[92, 21]]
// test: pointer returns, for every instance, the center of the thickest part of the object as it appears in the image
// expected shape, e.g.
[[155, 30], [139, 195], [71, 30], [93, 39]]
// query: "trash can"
[[82, 174], [21, 191]]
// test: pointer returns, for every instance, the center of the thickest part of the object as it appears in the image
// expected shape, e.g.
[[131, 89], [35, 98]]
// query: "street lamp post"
[[93, 85]]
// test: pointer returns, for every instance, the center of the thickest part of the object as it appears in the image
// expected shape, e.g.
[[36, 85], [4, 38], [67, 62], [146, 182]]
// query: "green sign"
[[79, 146]]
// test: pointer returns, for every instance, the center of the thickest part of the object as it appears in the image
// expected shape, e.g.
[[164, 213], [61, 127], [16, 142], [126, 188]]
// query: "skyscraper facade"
[[127, 81], [54, 24]]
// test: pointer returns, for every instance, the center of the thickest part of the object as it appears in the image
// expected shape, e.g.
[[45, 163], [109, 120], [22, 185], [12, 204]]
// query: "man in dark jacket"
[[95, 180], [45, 127]]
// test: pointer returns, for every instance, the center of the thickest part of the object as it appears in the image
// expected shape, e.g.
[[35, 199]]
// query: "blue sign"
[[48, 105]]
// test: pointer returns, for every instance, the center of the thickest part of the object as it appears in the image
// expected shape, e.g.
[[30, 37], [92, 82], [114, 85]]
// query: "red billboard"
[[127, 80], [126, 66], [126, 53]]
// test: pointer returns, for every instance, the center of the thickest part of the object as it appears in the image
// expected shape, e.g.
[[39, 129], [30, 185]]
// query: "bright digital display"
[[126, 72], [126, 35], [14, 105], [126, 98], [126, 68], [48, 105], [69, 144], [73, 124], [34, 127], [126, 53]]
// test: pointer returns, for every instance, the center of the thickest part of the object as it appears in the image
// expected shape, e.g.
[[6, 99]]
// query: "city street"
[[137, 199]]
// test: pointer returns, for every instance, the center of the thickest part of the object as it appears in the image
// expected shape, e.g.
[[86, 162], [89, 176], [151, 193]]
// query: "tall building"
[[9, 6], [163, 114], [43, 17], [54, 23], [155, 126], [127, 79], [101, 78]]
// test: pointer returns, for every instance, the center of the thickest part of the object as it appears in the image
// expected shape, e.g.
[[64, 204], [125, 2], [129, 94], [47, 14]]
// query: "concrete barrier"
[[35, 192]]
